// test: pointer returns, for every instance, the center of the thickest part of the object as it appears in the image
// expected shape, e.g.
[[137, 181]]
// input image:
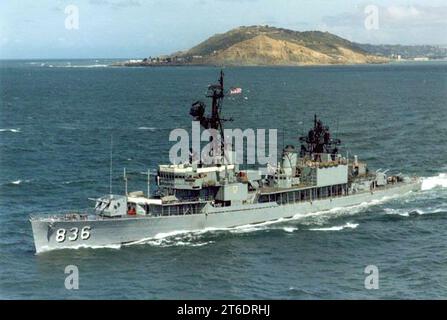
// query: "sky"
[[51, 29]]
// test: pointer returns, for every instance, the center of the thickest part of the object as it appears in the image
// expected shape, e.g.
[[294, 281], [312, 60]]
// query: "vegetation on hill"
[[264, 45]]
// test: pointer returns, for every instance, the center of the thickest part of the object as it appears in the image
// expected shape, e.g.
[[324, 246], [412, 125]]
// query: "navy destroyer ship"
[[194, 196]]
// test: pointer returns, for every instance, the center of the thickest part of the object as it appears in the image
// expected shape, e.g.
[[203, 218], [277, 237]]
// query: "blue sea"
[[56, 120]]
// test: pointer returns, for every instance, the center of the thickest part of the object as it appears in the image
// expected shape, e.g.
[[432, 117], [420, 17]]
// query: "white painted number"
[[61, 234], [74, 234], [85, 234]]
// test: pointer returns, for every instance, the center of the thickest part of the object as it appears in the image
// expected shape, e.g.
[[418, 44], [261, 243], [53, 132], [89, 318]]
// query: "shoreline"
[[391, 62], [148, 65]]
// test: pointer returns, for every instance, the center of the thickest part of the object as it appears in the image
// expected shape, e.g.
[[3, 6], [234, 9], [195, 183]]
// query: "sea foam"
[[434, 182], [337, 228], [10, 130]]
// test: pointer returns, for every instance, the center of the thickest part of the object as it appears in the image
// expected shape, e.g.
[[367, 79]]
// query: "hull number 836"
[[73, 234]]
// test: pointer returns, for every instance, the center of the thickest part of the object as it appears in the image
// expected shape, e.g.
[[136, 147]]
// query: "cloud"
[[393, 17], [413, 24], [399, 13], [116, 3], [414, 16]]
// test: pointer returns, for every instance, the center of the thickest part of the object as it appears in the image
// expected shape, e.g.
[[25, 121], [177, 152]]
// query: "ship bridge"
[[193, 177]]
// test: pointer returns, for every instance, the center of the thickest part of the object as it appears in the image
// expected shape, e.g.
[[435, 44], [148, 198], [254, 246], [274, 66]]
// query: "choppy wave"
[[337, 228], [434, 182], [70, 182], [85, 66], [11, 130], [55, 64], [414, 212], [147, 128], [17, 182], [399, 212]]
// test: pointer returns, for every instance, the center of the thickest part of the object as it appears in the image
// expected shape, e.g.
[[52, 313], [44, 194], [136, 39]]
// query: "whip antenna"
[[111, 163]]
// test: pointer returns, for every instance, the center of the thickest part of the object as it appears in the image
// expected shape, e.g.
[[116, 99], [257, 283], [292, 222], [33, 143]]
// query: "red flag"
[[235, 90]]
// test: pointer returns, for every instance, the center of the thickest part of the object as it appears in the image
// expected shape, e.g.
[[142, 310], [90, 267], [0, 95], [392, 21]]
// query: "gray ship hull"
[[53, 233]]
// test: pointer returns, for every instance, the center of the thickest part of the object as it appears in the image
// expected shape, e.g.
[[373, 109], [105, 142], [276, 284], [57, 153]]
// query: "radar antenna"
[[318, 141]]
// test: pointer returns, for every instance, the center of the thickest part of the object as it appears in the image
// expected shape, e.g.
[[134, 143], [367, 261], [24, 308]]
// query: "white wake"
[[434, 182], [337, 228]]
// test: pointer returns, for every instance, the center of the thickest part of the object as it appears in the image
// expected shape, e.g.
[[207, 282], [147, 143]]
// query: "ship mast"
[[216, 92], [213, 121]]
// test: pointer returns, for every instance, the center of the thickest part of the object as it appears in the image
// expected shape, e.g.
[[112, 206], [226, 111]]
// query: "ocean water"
[[56, 119]]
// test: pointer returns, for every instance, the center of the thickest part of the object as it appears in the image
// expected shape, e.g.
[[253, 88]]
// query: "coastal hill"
[[267, 46], [264, 45]]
